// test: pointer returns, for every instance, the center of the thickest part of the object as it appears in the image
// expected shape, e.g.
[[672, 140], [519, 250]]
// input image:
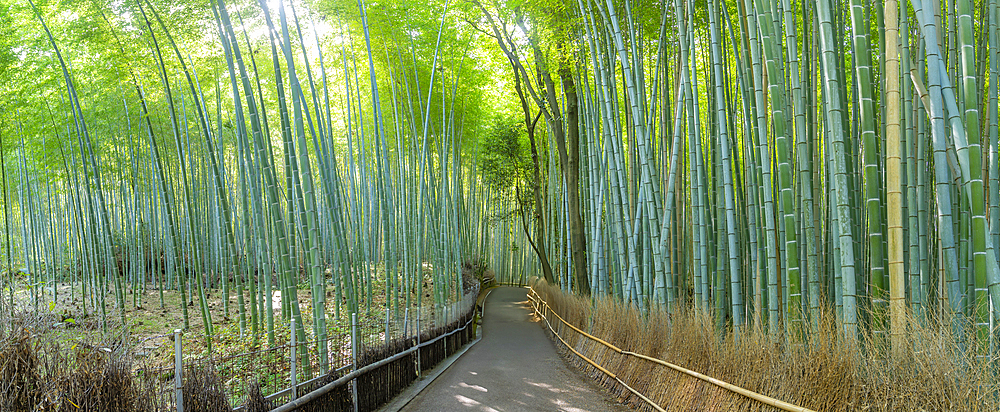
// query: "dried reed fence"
[[824, 374], [42, 375]]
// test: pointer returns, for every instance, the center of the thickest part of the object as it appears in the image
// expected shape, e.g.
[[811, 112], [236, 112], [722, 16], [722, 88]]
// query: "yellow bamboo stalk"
[[918, 85], [897, 300]]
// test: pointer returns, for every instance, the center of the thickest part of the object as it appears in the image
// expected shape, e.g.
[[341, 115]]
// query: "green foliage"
[[504, 160]]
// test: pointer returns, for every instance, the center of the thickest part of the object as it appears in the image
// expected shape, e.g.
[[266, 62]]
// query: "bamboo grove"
[[253, 161], [768, 162]]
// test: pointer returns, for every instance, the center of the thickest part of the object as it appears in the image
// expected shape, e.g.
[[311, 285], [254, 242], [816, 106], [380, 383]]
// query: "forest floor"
[[57, 313]]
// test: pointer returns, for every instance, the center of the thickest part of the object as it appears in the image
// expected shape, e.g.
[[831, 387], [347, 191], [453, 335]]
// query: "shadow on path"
[[514, 368]]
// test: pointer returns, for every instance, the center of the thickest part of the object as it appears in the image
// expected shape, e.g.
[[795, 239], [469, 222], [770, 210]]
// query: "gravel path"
[[514, 368]]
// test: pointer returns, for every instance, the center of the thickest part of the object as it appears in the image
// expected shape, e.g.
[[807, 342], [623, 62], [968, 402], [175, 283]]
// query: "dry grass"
[[39, 372], [204, 391], [825, 374], [19, 380], [256, 402], [41, 375]]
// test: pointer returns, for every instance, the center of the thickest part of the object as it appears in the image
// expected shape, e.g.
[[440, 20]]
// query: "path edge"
[[404, 398]]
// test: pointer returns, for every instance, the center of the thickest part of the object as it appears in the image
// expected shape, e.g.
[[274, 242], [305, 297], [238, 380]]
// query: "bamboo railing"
[[541, 308]]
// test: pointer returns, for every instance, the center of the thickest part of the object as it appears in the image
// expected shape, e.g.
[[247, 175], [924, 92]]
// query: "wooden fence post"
[[178, 371], [354, 358], [295, 383]]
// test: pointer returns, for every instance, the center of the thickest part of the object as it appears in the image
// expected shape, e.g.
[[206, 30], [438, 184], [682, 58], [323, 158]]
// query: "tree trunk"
[[569, 157], [567, 138], [536, 187], [536, 184]]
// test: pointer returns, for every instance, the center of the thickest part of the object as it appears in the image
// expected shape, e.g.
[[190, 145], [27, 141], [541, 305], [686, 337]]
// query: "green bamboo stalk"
[[832, 102], [970, 90], [735, 292], [873, 205], [793, 311], [942, 175]]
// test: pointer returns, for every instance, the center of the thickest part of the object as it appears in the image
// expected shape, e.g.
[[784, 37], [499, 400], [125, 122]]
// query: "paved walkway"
[[514, 368]]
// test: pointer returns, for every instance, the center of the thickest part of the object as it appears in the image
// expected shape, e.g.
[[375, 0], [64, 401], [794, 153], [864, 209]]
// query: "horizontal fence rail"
[[366, 365], [298, 403], [385, 370], [541, 309]]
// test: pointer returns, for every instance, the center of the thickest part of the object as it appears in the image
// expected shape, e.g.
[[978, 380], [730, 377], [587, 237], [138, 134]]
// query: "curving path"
[[514, 368]]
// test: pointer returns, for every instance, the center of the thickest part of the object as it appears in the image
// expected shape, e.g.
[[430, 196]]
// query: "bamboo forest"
[[806, 183]]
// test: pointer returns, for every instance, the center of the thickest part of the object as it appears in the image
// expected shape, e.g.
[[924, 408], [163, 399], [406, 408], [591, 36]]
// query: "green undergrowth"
[[147, 319]]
